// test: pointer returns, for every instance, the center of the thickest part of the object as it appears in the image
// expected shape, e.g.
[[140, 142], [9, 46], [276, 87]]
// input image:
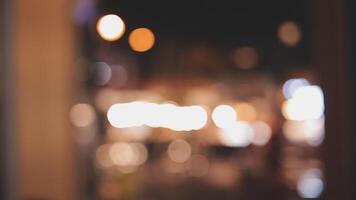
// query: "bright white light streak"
[[186, 118]]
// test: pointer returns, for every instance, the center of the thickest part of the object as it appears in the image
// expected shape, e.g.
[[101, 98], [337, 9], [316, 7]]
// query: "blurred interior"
[[155, 100]]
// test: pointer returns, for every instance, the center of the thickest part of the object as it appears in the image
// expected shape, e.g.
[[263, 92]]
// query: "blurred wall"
[[43, 58]]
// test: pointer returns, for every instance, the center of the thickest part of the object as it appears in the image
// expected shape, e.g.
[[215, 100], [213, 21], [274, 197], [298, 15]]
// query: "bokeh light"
[[179, 151], [110, 27], [310, 185], [308, 131], [141, 39], [238, 135], [291, 85], [82, 115], [289, 33], [102, 156], [128, 154], [262, 133], [307, 102], [103, 73], [224, 116]]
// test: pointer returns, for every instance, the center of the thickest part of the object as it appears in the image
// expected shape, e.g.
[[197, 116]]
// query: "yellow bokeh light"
[[110, 27], [141, 39]]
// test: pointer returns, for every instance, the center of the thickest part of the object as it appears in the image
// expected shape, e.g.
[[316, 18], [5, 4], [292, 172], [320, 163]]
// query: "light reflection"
[[110, 27], [224, 116]]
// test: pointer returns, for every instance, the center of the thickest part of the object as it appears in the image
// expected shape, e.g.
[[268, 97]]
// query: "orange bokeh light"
[[141, 39]]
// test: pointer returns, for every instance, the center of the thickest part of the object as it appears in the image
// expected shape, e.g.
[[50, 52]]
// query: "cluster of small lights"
[[139, 113], [236, 132]]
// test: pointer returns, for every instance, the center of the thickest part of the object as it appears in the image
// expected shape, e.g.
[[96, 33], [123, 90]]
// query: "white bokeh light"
[[110, 27], [238, 135], [310, 185], [306, 103], [224, 116]]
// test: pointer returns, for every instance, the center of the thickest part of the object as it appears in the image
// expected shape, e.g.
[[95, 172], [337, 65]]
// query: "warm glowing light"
[[307, 102], [246, 112], [197, 165], [238, 135], [262, 133], [186, 118], [291, 85], [110, 27], [246, 57], [102, 156], [82, 115], [308, 131], [310, 185], [179, 151], [128, 154], [141, 39], [224, 116], [289, 33]]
